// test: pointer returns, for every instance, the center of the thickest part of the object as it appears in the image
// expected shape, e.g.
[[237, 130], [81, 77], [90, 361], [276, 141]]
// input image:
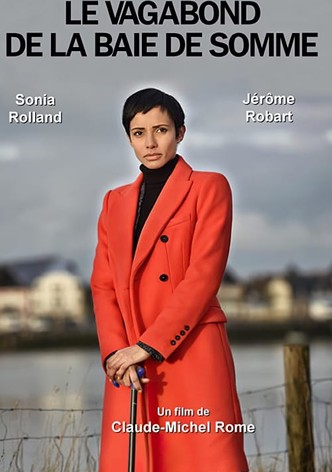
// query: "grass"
[[73, 450]]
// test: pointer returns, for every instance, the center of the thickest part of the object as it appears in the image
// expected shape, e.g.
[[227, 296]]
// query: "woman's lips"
[[152, 156]]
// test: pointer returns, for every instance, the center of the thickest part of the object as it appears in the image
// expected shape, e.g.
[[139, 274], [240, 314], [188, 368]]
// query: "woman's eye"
[[137, 133], [162, 130]]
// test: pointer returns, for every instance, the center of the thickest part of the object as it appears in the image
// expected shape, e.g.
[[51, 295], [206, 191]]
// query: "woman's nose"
[[150, 140]]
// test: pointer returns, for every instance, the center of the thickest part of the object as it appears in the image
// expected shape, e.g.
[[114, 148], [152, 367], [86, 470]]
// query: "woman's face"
[[153, 137]]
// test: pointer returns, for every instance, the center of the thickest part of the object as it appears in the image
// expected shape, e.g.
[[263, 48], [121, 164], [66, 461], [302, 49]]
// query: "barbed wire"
[[83, 410], [52, 410], [51, 438], [260, 390], [323, 379], [283, 385], [94, 435], [97, 435], [247, 392], [268, 453], [284, 451], [99, 410], [320, 401]]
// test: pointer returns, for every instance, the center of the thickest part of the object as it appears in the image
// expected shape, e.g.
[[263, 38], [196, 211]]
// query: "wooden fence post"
[[300, 440]]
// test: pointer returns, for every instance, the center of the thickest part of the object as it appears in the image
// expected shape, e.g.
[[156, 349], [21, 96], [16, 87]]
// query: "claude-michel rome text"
[[182, 427]]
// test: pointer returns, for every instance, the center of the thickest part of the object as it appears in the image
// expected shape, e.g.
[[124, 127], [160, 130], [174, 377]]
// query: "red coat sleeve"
[[110, 327], [209, 252]]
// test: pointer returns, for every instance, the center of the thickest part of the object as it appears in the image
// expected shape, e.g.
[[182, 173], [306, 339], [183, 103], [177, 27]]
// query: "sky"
[[53, 177]]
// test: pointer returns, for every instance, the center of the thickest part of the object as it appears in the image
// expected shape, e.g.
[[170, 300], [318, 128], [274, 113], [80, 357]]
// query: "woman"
[[163, 244]]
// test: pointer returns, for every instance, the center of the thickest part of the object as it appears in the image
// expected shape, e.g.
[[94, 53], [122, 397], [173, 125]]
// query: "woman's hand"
[[131, 377], [117, 365]]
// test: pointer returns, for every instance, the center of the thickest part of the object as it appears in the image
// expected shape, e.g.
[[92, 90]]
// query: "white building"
[[14, 308], [40, 293], [58, 295]]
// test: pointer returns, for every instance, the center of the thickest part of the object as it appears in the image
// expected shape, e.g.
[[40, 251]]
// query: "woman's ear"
[[129, 140], [181, 134]]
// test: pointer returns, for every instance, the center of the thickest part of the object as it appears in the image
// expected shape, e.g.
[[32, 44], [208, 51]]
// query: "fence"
[[67, 439]]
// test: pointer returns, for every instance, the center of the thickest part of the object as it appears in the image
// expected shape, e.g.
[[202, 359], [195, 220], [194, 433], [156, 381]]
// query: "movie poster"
[[254, 79]]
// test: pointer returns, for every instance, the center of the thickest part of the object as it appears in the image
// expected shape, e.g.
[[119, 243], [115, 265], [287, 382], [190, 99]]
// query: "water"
[[73, 379]]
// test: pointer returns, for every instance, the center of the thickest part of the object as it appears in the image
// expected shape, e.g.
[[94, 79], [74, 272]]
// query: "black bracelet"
[[153, 353]]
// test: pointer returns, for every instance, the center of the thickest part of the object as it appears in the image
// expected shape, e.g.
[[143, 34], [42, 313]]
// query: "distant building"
[[320, 306], [269, 298], [280, 297], [312, 293], [14, 308], [306, 284], [39, 293], [23, 273], [230, 295], [58, 295], [290, 295]]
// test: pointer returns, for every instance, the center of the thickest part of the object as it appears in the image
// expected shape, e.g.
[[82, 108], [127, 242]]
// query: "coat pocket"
[[214, 314], [177, 220]]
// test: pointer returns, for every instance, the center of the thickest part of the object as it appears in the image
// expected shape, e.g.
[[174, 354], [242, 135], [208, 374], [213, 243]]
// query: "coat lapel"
[[169, 200], [123, 214], [122, 220]]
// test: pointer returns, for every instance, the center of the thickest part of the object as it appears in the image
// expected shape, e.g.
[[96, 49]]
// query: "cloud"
[[256, 232], [9, 152], [206, 140], [328, 136], [281, 140]]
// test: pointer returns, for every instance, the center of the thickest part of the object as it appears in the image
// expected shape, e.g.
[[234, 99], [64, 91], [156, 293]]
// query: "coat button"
[[182, 332], [173, 342], [187, 328], [164, 238], [177, 337], [163, 277]]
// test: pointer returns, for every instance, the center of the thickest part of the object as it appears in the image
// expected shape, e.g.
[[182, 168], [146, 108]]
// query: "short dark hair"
[[146, 99]]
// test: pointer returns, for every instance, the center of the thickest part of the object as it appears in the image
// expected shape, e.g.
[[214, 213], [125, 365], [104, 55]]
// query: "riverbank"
[[239, 332]]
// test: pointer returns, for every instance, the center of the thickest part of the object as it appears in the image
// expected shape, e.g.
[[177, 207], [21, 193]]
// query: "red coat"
[[166, 297]]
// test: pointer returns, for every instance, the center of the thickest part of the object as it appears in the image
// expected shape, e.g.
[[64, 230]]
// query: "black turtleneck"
[[153, 183]]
